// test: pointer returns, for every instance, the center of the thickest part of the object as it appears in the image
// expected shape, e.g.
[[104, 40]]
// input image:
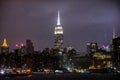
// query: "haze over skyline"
[[83, 21]]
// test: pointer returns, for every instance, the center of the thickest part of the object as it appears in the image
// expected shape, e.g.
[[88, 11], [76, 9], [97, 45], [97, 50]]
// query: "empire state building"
[[58, 34]]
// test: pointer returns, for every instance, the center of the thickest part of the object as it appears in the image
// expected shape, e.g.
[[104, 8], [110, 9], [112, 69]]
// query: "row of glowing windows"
[[58, 27], [102, 56]]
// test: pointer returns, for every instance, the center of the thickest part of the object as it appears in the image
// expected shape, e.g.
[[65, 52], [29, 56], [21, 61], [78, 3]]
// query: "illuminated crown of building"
[[4, 43], [58, 28]]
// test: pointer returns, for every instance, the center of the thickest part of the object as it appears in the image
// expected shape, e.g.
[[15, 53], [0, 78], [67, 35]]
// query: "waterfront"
[[65, 76]]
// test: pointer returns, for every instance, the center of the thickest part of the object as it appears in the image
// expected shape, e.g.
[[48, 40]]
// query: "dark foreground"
[[65, 76]]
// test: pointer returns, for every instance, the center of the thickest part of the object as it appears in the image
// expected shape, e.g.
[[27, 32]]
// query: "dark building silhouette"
[[21, 49], [116, 51], [91, 48], [29, 47], [81, 61], [88, 48]]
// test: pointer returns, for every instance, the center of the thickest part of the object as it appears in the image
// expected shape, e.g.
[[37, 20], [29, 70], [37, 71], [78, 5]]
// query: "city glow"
[[2, 71]]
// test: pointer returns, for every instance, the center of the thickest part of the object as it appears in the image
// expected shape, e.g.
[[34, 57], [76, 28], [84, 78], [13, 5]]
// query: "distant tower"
[[92, 48], [116, 51], [4, 47], [58, 35], [29, 47], [114, 33]]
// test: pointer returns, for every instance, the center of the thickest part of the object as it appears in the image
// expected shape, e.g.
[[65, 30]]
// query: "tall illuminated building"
[[58, 34], [4, 46]]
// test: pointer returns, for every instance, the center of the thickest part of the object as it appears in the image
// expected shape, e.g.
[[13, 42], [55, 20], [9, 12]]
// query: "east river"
[[65, 76]]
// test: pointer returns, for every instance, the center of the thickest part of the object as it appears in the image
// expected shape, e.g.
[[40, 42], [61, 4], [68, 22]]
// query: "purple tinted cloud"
[[83, 21]]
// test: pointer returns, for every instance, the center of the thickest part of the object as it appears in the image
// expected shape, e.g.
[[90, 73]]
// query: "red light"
[[103, 46], [22, 44], [16, 45]]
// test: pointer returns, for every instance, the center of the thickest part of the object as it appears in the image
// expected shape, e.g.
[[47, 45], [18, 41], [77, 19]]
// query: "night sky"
[[83, 21]]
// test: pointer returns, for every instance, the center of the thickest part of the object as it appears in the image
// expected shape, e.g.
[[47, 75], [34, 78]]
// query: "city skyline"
[[82, 21]]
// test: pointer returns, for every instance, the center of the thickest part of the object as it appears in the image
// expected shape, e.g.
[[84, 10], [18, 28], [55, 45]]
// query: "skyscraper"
[[4, 47], [58, 34], [92, 47], [114, 33], [29, 47], [116, 51]]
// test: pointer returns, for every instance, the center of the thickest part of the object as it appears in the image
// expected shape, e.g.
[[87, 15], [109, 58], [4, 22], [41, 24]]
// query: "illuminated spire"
[[58, 28], [58, 20], [4, 43], [114, 33]]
